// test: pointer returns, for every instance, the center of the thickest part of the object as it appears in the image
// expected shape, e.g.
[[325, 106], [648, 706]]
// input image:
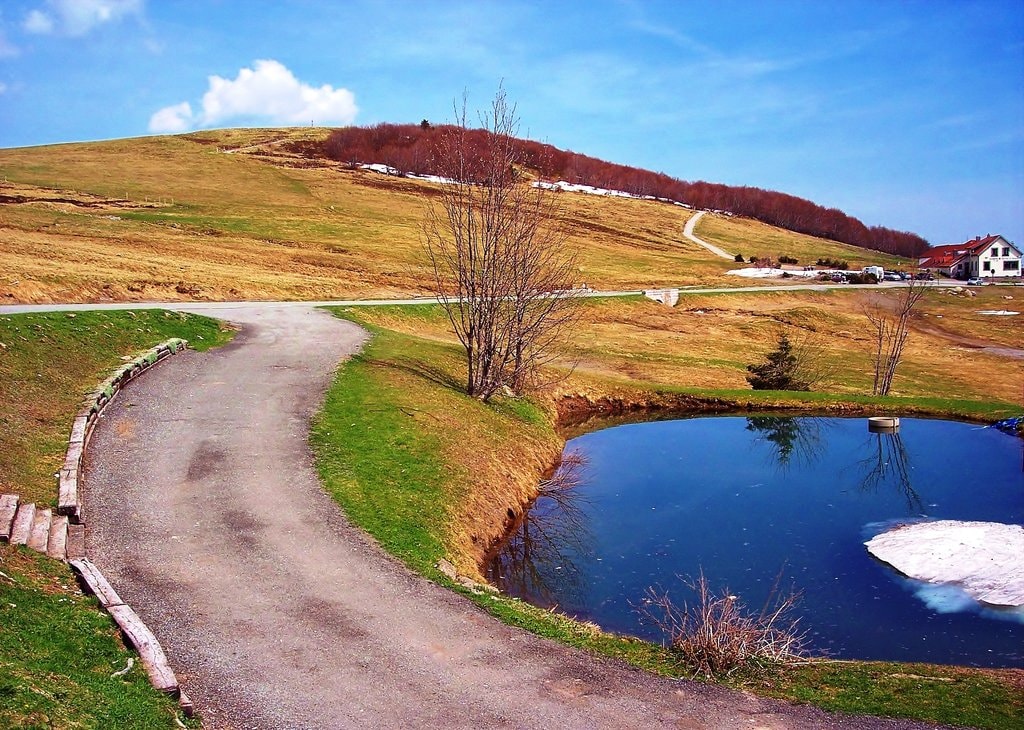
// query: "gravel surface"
[[204, 510]]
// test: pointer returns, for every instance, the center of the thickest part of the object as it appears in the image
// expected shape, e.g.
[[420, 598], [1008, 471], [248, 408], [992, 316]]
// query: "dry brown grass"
[[237, 214], [752, 238], [170, 218], [707, 341]]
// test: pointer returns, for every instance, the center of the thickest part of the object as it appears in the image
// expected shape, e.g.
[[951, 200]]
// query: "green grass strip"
[[379, 451]]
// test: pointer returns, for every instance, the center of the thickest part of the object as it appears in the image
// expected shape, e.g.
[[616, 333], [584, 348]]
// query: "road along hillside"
[[204, 510]]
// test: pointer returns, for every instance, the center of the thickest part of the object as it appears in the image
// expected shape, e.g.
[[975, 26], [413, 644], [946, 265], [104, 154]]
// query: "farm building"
[[984, 257]]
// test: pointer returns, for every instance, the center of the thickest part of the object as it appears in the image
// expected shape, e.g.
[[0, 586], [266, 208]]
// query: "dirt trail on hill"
[[688, 232], [204, 510]]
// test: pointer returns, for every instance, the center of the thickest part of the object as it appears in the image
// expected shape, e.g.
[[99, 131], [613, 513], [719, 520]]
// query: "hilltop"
[[415, 149], [252, 214]]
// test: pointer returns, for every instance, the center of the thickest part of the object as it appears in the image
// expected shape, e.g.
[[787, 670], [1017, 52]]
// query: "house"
[[984, 257]]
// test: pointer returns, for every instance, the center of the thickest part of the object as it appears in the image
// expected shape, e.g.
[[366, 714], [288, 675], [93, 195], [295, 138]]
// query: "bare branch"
[[497, 249], [890, 321]]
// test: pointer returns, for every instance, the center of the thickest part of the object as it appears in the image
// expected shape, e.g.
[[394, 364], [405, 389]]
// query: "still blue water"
[[745, 499]]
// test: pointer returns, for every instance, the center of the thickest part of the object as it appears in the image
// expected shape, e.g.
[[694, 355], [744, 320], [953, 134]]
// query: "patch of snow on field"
[[432, 178], [998, 312], [766, 273], [382, 169], [560, 185], [588, 189]]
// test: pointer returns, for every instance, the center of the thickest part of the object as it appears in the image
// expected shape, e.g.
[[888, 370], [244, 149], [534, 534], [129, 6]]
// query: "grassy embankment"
[[58, 650], [414, 461], [172, 218]]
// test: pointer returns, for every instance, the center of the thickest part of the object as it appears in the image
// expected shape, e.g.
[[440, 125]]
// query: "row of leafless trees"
[[419, 149]]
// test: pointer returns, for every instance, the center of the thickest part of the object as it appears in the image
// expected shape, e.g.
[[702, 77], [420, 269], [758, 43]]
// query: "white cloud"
[[268, 93], [78, 17], [172, 119], [38, 22], [272, 91], [7, 49]]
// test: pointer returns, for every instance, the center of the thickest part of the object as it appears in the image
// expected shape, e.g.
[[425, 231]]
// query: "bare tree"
[[497, 247], [890, 322]]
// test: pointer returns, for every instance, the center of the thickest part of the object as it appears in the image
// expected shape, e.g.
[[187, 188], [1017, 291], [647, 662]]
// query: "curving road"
[[205, 512]]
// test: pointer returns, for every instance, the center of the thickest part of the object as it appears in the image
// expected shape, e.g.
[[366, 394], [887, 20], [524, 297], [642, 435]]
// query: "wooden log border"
[[69, 507]]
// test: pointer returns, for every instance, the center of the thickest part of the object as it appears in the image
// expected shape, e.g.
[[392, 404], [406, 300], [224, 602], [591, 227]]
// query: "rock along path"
[[204, 510]]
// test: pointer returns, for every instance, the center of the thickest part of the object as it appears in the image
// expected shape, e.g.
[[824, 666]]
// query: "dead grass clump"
[[716, 635]]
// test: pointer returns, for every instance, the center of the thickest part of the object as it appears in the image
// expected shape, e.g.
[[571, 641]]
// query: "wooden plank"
[[22, 526], [57, 543], [150, 652], [96, 583], [76, 541], [40, 531], [8, 508], [67, 493]]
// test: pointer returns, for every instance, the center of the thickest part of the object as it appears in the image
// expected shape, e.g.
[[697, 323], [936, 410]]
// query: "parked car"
[[975, 282], [891, 276]]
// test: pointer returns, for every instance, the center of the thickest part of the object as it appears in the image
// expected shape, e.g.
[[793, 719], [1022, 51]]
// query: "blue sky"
[[904, 114]]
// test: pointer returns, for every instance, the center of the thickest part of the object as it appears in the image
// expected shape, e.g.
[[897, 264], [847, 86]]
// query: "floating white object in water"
[[883, 424], [986, 559]]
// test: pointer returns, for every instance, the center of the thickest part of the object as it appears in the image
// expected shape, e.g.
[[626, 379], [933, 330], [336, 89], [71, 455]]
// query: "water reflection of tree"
[[889, 463], [792, 437], [537, 561]]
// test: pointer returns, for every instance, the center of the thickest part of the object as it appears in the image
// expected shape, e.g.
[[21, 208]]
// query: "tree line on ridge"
[[413, 148]]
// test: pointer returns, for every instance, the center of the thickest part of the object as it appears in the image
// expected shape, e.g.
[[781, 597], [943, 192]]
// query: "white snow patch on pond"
[[998, 312], [985, 560]]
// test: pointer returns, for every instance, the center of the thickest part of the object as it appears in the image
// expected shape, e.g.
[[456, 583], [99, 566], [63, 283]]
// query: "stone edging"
[[69, 503], [68, 500]]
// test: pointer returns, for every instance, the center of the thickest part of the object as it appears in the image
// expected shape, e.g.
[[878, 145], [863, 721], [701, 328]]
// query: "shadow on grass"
[[420, 369]]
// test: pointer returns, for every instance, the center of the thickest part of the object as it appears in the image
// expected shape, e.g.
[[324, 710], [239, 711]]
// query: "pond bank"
[[573, 414]]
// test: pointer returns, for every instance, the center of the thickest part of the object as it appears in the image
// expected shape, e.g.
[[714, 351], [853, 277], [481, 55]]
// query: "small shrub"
[[717, 635], [739, 258], [833, 264], [784, 259], [779, 371], [752, 259]]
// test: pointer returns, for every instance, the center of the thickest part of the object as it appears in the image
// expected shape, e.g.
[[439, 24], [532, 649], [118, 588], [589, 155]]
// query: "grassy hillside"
[[243, 214], [753, 238]]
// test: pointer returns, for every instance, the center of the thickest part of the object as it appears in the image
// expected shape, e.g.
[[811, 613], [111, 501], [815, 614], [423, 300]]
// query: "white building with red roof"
[[986, 257]]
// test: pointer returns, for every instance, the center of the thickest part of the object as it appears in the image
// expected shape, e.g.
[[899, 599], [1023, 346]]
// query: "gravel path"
[[688, 232], [204, 510]]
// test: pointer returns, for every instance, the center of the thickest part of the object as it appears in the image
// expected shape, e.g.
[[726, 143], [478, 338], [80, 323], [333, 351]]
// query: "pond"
[[747, 499]]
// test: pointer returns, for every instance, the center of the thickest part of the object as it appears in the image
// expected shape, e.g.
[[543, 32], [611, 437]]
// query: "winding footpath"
[[688, 232], [205, 512]]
